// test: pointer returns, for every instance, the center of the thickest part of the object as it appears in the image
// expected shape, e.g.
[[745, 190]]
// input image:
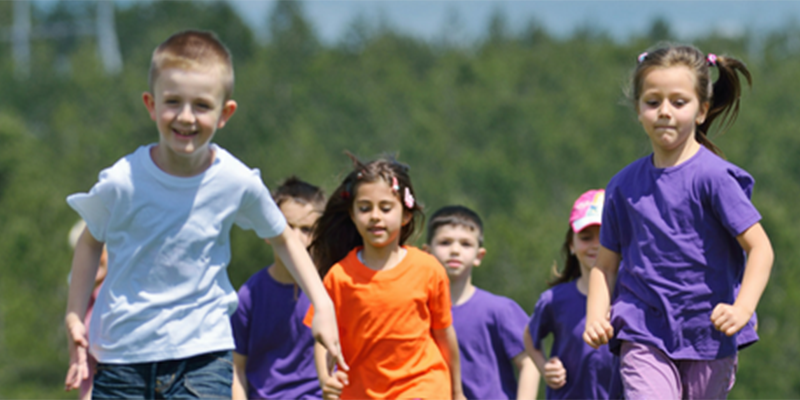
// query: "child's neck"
[[177, 165], [382, 258], [461, 290], [671, 158], [280, 273]]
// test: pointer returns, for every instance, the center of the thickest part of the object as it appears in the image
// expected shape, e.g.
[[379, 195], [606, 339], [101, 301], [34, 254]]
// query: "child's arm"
[[553, 371], [84, 269], [288, 247], [448, 345], [331, 382], [239, 388], [528, 382], [602, 278], [729, 319]]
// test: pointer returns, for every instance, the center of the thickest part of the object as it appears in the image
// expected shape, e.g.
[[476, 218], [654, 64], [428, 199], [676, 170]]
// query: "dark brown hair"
[[458, 216], [293, 188], [335, 234], [722, 95], [572, 267], [193, 49]]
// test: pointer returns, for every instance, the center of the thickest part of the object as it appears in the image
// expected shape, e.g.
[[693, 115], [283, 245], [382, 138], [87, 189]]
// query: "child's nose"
[[186, 114]]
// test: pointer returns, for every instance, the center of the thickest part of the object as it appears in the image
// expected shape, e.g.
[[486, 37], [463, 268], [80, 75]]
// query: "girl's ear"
[[407, 216], [702, 113]]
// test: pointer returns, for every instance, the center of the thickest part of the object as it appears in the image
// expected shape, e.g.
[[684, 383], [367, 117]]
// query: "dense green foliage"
[[516, 126]]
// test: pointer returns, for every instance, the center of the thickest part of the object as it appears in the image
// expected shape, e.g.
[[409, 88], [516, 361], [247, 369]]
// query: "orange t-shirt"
[[385, 320]]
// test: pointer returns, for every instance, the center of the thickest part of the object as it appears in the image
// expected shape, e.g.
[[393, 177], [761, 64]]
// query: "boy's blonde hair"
[[193, 50]]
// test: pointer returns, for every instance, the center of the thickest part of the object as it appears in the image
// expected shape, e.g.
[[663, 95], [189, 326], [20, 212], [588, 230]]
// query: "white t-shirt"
[[167, 293]]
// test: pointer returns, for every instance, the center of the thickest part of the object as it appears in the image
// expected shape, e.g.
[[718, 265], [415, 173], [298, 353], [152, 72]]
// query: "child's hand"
[[333, 385], [555, 375], [326, 332], [76, 340], [729, 319], [598, 333]]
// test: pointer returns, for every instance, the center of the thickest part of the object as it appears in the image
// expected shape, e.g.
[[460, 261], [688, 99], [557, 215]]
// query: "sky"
[[621, 19]]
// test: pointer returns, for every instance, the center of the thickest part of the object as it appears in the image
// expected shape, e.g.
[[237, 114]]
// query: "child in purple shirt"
[[489, 327], [679, 234], [573, 370], [274, 356]]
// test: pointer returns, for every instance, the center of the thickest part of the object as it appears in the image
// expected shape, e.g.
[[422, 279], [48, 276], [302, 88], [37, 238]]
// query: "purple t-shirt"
[[561, 310], [676, 229], [489, 329], [268, 328]]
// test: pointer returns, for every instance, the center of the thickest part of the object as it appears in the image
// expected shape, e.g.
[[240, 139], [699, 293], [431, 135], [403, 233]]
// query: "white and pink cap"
[[587, 210]]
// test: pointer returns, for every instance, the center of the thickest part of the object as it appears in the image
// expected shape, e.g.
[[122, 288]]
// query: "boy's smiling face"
[[457, 248], [188, 107]]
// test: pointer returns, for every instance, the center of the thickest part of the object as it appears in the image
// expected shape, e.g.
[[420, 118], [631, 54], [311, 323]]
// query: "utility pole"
[[21, 39], [107, 43], [103, 29]]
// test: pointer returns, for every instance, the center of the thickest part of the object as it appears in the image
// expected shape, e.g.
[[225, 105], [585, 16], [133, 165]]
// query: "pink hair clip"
[[642, 57], [408, 199], [712, 59], [395, 185]]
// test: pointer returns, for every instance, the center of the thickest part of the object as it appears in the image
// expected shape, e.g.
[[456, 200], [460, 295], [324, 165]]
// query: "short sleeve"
[[541, 322], [609, 229], [258, 211], [95, 207], [511, 320], [730, 200], [439, 299], [240, 320]]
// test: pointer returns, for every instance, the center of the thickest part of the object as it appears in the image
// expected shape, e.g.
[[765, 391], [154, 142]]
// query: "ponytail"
[[726, 92]]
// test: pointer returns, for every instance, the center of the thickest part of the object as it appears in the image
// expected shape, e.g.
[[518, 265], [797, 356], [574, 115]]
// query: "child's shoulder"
[[495, 303], [560, 292]]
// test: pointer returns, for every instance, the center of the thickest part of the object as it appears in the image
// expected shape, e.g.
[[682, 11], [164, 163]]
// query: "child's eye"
[[386, 208], [652, 103], [466, 244], [363, 208], [203, 106], [679, 102], [306, 230]]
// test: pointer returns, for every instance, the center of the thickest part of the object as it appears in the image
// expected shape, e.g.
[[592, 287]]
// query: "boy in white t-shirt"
[[160, 326]]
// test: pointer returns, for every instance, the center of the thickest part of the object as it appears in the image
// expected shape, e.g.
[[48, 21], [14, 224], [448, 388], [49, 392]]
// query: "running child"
[[85, 389], [161, 326], [274, 355], [681, 224], [488, 326], [392, 300], [573, 370]]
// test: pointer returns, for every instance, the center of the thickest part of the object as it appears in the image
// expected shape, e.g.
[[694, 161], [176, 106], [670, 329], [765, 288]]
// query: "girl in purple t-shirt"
[[574, 369], [679, 233]]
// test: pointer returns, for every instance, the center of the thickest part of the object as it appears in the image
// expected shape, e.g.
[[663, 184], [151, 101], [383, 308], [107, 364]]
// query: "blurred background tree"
[[516, 126]]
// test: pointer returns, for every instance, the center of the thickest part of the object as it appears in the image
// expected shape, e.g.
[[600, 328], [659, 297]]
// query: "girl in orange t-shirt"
[[392, 301]]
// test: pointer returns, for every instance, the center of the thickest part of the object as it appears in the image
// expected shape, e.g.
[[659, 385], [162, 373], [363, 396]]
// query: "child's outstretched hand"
[[326, 332], [555, 375], [729, 319], [333, 385], [598, 333], [76, 340]]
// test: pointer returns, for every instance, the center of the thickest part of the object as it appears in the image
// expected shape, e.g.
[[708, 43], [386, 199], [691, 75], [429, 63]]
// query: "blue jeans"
[[204, 376]]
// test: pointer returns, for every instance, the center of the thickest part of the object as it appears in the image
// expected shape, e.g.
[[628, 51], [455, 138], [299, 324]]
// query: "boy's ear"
[[150, 103], [479, 256], [228, 108]]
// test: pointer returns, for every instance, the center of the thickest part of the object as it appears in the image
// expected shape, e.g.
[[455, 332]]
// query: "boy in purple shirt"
[[489, 327], [274, 356]]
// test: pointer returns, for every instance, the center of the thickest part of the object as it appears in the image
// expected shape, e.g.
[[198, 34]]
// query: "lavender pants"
[[647, 373]]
